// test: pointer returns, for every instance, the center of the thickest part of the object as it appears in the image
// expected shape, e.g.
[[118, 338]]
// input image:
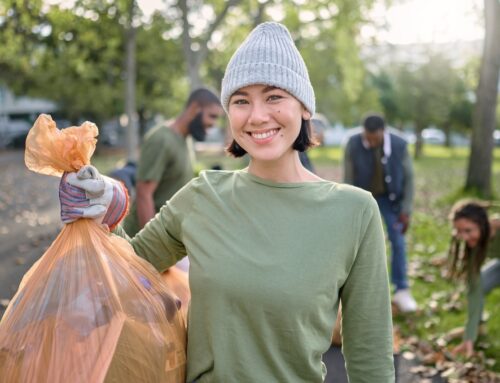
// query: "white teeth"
[[263, 135]]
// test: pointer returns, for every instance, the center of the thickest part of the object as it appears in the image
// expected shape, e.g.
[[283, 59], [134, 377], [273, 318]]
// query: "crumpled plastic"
[[89, 310]]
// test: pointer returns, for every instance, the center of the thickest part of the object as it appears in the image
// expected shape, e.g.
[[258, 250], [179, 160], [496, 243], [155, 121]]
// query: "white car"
[[433, 136]]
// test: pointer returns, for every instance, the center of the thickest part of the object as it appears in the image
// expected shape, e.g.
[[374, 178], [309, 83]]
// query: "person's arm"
[[366, 307], [408, 191], [475, 301], [87, 194], [408, 187], [145, 201], [160, 241], [348, 165]]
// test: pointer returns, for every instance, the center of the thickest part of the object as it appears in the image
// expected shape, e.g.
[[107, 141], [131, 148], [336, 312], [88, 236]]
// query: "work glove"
[[88, 194]]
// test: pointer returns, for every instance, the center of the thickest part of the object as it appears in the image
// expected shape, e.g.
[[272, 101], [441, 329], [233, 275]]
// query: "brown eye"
[[274, 97], [239, 101]]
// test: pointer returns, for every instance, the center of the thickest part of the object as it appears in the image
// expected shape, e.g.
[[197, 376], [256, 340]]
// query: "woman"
[[273, 248], [474, 239]]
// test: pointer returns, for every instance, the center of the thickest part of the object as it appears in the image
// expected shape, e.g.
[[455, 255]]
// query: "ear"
[[306, 115], [195, 108]]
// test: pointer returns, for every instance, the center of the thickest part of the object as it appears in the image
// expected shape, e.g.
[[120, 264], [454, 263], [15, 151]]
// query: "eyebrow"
[[268, 88]]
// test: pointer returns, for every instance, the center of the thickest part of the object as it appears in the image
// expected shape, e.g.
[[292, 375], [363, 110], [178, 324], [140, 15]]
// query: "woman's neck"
[[288, 168]]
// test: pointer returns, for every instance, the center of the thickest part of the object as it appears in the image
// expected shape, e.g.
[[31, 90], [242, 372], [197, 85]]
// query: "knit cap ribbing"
[[268, 56]]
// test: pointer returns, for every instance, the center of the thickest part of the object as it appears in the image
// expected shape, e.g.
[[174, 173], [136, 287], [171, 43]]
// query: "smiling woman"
[[273, 248]]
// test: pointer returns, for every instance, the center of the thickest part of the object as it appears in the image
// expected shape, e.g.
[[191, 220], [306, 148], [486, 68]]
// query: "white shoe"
[[404, 301]]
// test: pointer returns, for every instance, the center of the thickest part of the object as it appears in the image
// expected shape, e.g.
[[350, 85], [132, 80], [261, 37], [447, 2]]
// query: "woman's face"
[[467, 231], [265, 121]]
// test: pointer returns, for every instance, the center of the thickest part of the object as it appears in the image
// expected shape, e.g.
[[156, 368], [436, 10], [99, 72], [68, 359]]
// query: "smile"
[[263, 135]]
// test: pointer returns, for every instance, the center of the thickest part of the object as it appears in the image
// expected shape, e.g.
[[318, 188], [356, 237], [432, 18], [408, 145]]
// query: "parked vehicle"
[[433, 136], [13, 132], [326, 133], [496, 137], [335, 135]]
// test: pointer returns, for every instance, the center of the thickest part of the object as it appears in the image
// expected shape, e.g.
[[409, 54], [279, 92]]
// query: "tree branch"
[[186, 39], [202, 53]]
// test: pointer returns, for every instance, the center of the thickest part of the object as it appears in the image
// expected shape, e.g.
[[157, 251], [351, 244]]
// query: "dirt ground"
[[29, 220]]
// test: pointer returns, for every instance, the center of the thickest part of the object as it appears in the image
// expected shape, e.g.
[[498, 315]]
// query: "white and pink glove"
[[88, 194]]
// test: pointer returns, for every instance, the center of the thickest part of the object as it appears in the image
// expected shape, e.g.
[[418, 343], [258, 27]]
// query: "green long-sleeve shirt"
[[475, 295], [268, 264]]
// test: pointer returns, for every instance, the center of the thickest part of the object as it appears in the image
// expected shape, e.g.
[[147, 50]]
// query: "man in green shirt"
[[164, 164]]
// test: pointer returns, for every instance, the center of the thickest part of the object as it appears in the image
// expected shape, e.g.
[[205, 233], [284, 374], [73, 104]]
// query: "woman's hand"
[[465, 348], [88, 194]]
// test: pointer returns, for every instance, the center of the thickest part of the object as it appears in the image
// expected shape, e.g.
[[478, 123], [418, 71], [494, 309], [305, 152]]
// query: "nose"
[[258, 114]]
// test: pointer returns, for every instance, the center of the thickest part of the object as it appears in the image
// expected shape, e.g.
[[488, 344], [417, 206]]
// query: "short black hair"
[[203, 97], [373, 122], [304, 140]]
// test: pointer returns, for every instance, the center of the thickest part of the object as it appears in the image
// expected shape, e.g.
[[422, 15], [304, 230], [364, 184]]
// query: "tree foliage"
[[76, 58], [432, 93]]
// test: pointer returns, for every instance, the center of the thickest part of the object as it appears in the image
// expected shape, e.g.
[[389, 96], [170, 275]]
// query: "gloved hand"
[[88, 194]]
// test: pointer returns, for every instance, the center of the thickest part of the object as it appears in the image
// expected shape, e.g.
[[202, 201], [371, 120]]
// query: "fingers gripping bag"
[[89, 310]]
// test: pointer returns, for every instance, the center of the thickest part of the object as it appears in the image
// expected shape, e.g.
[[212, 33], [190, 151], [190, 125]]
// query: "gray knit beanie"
[[268, 56]]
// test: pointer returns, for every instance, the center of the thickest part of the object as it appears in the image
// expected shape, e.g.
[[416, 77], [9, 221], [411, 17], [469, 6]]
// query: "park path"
[[29, 220]]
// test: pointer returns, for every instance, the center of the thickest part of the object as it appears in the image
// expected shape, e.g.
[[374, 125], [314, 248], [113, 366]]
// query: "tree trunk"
[[481, 155], [259, 15], [447, 132], [193, 67], [130, 74], [419, 143], [194, 58]]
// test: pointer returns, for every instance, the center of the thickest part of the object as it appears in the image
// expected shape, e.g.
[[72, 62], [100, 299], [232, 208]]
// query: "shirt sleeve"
[[475, 302], [160, 241], [154, 158], [348, 165], [408, 187], [366, 308]]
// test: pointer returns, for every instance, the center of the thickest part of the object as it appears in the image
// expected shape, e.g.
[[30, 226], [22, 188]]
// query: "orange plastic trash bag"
[[89, 310]]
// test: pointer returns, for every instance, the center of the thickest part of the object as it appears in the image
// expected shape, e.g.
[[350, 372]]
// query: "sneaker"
[[404, 301]]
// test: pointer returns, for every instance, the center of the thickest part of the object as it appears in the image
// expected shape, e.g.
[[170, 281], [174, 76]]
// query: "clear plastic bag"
[[89, 310]]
